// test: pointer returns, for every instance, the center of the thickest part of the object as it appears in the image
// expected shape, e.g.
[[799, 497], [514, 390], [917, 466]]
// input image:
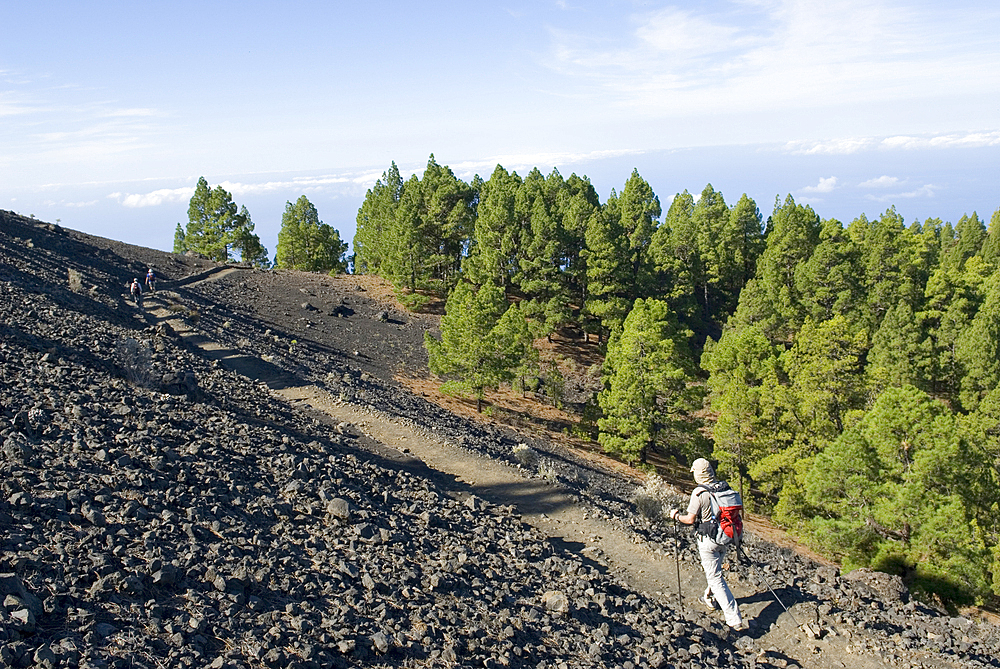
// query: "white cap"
[[702, 470]]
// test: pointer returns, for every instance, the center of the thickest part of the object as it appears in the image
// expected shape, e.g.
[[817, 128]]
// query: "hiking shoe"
[[708, 601]]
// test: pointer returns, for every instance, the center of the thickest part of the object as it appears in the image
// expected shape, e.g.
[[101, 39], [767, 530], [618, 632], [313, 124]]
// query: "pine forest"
[[844, 374]]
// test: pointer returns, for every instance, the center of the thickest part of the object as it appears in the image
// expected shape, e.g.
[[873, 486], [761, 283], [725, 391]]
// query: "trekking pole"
[[677, 563], [740, 552]]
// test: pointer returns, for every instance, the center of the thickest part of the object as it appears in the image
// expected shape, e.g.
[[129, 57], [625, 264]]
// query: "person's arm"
[[686, 518], [691, 517]]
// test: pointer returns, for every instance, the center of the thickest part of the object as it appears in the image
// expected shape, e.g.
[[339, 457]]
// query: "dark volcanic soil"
[[170, 500]]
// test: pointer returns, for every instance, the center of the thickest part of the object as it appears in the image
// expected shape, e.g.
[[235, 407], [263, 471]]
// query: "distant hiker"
[[151, 280], [714, 508], [136, 291]]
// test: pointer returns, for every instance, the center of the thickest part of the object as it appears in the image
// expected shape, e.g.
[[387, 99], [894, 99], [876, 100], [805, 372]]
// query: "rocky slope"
[[160, 507]]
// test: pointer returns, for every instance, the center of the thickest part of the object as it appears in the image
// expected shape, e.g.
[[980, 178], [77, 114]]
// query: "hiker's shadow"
[[766, 617]]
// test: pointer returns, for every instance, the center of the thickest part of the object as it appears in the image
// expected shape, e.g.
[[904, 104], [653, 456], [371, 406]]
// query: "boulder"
[[556, 601], [886, 588]]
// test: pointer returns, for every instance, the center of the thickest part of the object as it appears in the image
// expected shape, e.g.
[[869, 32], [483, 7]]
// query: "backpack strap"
[[708, 527]]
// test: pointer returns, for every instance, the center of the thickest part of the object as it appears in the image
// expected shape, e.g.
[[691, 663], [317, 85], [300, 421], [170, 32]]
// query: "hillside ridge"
[[163, 506]]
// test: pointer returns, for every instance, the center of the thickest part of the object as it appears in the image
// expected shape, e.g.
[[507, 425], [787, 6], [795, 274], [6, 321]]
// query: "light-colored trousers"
[[711, 560]]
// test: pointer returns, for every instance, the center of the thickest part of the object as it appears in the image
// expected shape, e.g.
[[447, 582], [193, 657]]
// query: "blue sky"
[[110, 111]]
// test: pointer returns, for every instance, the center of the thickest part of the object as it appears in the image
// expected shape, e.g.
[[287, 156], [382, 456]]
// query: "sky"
[[111, 111]]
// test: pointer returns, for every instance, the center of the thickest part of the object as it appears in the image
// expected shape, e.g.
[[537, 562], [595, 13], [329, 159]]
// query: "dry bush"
[[75, 280], [135, 360], [650, 499], [547, 471], [526, 455]]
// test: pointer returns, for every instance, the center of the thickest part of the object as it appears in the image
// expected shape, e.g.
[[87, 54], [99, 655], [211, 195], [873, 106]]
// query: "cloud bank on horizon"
[[840, 103]]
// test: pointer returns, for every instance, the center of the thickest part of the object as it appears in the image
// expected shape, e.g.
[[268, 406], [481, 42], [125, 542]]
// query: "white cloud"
[[850, 145], [825, 185], [880, 182], [307, 184], [523, 162], [239, 189], [155, 198], [131, 113], [50, 127], [355, 183], [782, 54], [927, 190], [674, 31], [835, 147], [16, 104], [955, 140]]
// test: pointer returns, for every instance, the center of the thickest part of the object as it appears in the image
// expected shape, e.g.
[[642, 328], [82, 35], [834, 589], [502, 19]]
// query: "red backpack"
[[726, 526]]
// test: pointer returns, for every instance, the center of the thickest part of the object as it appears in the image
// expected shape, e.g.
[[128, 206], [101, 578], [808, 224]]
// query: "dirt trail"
[[562, 516], [555, 511]]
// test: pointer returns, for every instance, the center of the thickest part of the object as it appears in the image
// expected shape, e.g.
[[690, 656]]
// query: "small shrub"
[[648, 507], [547, 471], [412, 301], [650, 499], [526, 455], [587, 428], [554, 385], [579, 476], [75, 280], [136, 361]]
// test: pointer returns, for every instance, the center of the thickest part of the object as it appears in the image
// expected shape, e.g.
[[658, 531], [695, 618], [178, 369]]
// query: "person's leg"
[[711, 562], [706, 598]]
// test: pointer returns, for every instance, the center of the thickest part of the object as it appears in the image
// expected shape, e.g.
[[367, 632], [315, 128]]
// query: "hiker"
[[151, 280], [713, 542], [136, 291]]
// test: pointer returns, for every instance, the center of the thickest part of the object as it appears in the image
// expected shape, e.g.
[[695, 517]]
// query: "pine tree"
[[978, 348], [498, 233], [619, 265], [216, 225], [608, 280], [180, 244], [376, 217], [638, 211], [647, 397], [739, 246], [771, 297], [828, 282], [710, 218], [951, 298], [970, 233], [983, 429], [677, 261], [408, 244], [449, 208], [306, 243], [741, 366], [991, 245], [578, 204], [248, 244], [900, 490], [900, 354], [890, 270], [825, 390], [483, 340], [541, 277]]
